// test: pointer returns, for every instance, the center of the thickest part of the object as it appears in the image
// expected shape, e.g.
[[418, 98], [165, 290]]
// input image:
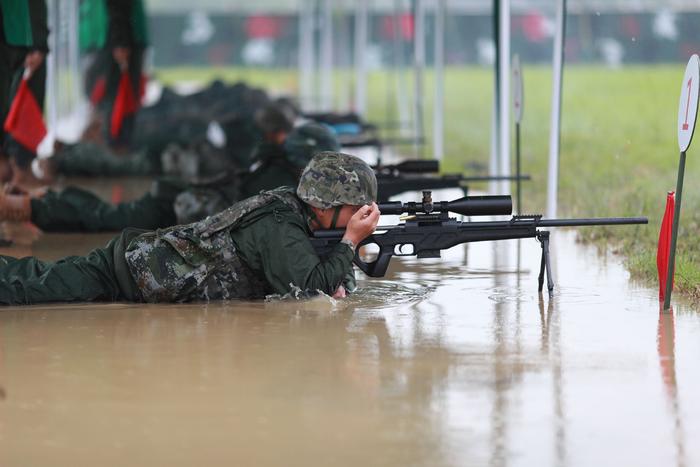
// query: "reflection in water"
[[502, 367], [666, 345], [557, 382], [436, 364], [382, 293]]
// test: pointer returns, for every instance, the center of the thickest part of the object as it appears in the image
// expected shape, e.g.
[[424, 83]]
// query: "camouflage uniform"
[[78, 210], [91, 159], [256, 247], [102, 275], [171, 201]]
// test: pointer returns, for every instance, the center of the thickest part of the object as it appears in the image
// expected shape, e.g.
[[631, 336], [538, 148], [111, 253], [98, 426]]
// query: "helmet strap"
[[336, 214]]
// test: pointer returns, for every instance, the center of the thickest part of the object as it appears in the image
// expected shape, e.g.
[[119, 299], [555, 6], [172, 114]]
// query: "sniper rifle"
[[427, 229]]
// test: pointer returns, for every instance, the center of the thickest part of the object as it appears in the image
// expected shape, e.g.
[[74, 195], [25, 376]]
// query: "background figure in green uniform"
[[23, 44], [114, 34], [172, 201], [186, 147], [256, 247]]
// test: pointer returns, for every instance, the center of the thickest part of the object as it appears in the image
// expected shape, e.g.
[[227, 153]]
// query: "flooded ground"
[[445, 362]]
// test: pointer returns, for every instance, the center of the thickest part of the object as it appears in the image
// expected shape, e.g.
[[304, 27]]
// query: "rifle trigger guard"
[[399, 250]]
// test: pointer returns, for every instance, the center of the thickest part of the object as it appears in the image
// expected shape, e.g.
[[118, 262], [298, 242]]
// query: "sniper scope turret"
[[466, 206]]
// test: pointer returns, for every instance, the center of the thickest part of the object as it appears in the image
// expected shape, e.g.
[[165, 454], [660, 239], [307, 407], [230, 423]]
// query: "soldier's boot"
[[15, 208]]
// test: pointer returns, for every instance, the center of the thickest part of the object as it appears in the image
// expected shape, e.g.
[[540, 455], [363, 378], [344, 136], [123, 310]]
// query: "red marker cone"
[[25, 122], [664, 249]]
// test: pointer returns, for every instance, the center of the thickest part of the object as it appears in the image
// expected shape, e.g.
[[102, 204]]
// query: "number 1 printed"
[[687, 105]]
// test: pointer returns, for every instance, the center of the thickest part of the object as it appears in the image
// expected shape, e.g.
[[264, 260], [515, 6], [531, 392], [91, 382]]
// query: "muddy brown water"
[[456, 361]]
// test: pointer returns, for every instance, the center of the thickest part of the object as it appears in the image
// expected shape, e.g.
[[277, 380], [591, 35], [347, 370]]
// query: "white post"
[[50, 101], [439, 66], [418, 66], [504, 99], [73, 55], [327, 56], [306, 55], [554, 130], [400, 91], [360, 62]]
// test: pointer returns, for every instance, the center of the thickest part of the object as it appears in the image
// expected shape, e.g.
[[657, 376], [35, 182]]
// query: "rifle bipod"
[[543, 238]]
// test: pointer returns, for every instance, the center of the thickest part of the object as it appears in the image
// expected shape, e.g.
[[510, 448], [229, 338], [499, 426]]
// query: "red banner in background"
[[263, 27], [664, 249], [404, 23], [25, 122]]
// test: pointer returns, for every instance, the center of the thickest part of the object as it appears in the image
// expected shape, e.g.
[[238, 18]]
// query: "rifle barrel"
[[591, 221], [494, 178]]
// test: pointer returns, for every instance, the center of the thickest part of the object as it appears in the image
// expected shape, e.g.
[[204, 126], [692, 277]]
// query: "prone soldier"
[[172, 201], [256, 247]]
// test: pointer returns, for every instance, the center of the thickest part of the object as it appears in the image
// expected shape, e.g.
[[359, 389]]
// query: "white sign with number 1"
[[688, 103]]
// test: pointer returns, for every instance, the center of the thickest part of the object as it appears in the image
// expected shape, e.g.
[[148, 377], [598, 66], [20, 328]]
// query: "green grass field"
[[619, 154]]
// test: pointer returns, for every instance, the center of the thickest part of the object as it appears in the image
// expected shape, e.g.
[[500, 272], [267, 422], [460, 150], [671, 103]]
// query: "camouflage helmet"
[[335, 179], [306, 140]]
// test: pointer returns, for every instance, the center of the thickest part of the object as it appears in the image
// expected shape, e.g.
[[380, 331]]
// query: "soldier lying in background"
[[172, 201], [254, 248], [190, 147]]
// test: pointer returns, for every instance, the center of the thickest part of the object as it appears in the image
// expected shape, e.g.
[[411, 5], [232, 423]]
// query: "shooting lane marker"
[[518, 102], [687, 113]]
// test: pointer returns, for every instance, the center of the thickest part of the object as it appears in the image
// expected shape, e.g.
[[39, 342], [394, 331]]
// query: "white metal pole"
[[418, 67], [73, 52], [306, 54], [51, 103], [327, 55], [504, 99], [360, 54], [439, 66], [554, 129], [400, 91]]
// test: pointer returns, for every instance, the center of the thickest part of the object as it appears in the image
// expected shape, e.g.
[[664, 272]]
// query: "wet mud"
[[457, 361]]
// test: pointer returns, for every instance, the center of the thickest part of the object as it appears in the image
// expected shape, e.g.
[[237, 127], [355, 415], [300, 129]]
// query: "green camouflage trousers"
[[86, 159], [78, 210], [102, 275]]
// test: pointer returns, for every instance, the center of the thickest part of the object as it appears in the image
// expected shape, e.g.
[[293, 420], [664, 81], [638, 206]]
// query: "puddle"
[[442, 362]]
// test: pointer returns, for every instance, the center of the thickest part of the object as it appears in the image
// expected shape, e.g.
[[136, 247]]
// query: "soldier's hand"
[[362, 223], [340, 292], [33, 60]]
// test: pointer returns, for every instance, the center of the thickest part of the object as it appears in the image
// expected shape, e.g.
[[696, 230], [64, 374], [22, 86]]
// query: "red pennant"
[[664, 249], [124, 104], [24, 121], [98, 91]]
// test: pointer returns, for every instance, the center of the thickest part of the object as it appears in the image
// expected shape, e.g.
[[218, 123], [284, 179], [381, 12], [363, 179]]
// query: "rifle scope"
[[467, 206], [417, 166]]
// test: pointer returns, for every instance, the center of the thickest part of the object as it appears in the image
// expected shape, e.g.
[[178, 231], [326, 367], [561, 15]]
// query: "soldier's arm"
[[283, 254]]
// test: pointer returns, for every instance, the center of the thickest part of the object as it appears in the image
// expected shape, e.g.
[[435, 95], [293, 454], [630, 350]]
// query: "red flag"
[[124, 104], [98, 90], [664, 249], [24, 121]]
